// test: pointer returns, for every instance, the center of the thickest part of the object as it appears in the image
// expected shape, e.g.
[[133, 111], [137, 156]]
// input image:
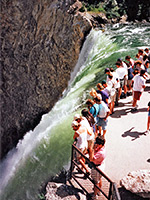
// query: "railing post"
[[72, 164], [110, 191]]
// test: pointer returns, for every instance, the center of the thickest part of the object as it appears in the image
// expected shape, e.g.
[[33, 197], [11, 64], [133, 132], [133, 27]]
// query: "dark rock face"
[[138, 10], [40, 45]]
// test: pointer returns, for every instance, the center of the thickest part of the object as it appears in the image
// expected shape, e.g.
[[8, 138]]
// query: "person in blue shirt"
[[94, 110]]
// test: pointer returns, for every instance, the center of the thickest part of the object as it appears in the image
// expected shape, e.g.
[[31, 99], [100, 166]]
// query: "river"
[[44, 151]]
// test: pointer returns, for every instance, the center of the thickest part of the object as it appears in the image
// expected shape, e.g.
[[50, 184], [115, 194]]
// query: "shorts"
[[103, 123], [129, 82], [112, 98], [125, 80], [137, 95], [96, 176], [121, 83]]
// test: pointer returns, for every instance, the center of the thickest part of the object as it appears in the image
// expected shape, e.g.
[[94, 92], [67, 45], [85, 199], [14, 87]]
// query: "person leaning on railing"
[[80, 135], [98, 159]]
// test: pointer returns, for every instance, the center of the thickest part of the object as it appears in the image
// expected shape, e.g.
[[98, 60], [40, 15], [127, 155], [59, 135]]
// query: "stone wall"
[[40, 45]]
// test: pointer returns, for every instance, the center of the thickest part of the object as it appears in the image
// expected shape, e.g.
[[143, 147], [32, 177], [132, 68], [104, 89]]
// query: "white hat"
[[77, 116], [74, 123]]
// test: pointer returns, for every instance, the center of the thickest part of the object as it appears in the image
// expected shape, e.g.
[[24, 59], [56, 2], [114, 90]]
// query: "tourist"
[[109, 87], [85, 113], [101, 91], [98, 159], [141, 53], [93, 109], [93, 93], [147, 52], [80, 136], [148, 120], [138, 87], [138, 65], [124, 65], [130, 60], [146, 65], [145, 58], [129, 81], [116, 81], [122, 74], [102, 116], [137, 56], [90, 134]]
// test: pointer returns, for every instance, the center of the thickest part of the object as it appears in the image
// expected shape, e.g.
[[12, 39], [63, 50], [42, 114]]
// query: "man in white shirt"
[[138, 87], [122, 75], [110, 71]]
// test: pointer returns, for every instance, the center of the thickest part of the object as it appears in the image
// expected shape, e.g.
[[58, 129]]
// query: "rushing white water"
[[18, 155], [43, 151]]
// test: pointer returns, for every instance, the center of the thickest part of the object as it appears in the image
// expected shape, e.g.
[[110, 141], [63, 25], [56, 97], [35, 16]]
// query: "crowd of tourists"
[[128, 79]]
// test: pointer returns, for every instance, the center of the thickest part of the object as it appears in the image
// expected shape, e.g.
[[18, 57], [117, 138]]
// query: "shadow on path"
[[140, 110], [119, 113], [122, 112], [148, 160], [147, 89], [134, 134]]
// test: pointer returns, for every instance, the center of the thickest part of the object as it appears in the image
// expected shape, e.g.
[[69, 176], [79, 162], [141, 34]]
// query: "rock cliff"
[[40, 45]]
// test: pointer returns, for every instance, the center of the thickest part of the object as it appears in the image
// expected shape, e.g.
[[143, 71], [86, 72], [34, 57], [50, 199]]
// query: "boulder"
[[138, 182]]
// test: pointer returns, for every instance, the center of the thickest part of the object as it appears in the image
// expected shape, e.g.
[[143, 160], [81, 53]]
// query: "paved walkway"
[[127, 144]]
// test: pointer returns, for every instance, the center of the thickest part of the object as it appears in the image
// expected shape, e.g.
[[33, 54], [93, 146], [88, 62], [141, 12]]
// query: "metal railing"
[[113, 193]]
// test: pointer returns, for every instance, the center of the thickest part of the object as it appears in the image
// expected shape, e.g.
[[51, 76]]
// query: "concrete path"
[[127, 144]]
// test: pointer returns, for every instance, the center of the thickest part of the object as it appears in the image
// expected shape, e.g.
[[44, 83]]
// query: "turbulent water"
[[46, 150]]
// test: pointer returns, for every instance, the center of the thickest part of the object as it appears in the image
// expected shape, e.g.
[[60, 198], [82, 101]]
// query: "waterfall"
[[45, 150]]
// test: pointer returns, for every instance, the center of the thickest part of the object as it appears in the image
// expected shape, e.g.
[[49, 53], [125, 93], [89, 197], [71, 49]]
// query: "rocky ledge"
[[138, 182]]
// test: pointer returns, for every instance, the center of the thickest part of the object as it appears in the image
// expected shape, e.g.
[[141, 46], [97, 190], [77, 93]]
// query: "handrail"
[[113, 191]]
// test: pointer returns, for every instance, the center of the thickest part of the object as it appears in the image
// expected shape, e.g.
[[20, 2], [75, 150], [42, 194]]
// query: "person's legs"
[[90, 148], [104, 126], [134, 102], [100, 130], [104, 132], [110, 108], [136, 97], [119, 92], [117, 97], [125, 89], [82, 162]]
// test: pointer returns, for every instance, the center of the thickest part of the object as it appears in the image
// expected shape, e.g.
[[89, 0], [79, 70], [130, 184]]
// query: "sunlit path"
[[127, 143]]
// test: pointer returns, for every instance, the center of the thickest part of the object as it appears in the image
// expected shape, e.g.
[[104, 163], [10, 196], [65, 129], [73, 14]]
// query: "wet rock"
[[40, 45], [137, 182]]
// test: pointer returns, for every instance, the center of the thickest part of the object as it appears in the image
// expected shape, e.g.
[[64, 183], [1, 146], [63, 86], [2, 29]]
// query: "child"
[[148, 121]]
